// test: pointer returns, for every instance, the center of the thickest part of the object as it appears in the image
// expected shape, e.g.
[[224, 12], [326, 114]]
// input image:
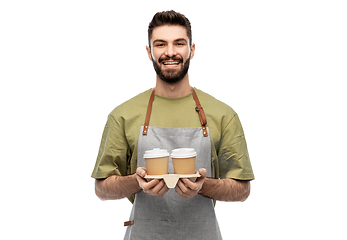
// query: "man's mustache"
[[172, 58]]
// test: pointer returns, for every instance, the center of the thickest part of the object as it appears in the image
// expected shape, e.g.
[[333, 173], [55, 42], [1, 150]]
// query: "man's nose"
[[171, 51]]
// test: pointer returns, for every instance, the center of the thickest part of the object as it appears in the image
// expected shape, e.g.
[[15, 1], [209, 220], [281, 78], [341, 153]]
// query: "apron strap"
[[198, 109], [148, 114], [201, 113], [128, 223]]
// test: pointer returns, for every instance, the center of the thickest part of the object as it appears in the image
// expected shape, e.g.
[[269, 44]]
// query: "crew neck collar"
[[178, 98]]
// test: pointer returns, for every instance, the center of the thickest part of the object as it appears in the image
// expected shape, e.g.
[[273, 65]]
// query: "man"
[[173, 115]]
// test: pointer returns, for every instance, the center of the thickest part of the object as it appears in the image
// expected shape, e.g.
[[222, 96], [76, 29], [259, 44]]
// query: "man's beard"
[[172, 75]]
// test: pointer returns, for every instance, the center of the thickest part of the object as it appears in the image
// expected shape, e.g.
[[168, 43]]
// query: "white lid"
[[155, 153], [183, 153]]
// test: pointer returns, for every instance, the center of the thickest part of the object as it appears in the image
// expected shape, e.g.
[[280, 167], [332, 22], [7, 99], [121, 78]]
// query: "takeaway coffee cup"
[[183, 160], [157, 161]]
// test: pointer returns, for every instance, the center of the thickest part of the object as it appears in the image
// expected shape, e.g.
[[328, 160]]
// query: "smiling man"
[[173, 115], [170, 55]]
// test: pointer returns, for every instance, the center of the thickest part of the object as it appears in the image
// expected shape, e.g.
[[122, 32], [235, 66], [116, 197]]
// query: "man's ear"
[[149, 52], [192, 51]]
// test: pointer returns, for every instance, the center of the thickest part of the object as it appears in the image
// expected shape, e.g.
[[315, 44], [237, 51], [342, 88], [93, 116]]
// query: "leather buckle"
[[128, 223]]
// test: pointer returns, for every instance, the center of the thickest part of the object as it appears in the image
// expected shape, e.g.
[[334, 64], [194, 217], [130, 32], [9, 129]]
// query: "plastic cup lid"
[[183, 153], [156, 153]]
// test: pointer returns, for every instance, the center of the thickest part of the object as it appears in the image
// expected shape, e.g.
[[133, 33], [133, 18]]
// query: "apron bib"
[[172, 216]]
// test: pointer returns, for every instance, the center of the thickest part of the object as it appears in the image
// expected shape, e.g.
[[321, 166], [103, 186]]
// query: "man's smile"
[[170, 64]]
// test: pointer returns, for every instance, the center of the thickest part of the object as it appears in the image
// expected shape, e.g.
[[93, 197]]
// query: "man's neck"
[[173, 90]]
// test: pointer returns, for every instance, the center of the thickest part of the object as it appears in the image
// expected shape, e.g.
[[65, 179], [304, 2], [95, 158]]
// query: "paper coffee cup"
[[157, 161], [183, 160]]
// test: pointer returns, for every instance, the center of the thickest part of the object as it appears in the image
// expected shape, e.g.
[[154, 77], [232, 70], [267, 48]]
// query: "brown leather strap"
[[128, 223], [198, 108], [148, 114], [201, 113]]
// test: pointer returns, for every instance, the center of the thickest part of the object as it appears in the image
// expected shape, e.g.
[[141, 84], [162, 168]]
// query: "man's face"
[[170, 52]]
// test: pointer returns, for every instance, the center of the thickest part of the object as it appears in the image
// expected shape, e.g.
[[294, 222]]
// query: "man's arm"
[[228, 189], [118, 187], [219, 189]]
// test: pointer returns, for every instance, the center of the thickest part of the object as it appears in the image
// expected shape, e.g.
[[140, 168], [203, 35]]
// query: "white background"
[[64, 65]]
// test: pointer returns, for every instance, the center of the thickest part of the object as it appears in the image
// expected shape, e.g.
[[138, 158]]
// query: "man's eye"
[[160, 45]]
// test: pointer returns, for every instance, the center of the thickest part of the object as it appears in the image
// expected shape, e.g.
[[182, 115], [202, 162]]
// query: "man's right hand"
[[154, 187]]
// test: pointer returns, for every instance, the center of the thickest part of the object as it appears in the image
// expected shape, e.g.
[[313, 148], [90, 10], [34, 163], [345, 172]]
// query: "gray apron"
[[173, 217]]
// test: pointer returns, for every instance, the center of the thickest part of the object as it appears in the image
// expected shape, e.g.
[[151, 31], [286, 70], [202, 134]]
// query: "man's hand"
[[154, 187], [188, 189]]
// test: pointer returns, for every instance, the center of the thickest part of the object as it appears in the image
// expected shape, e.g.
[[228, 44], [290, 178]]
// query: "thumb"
[[202, 172], [141, 171]]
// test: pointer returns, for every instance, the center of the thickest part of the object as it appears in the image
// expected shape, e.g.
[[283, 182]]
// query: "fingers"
[[163, 191], [184, 187], [190, 185], [184, 190], [156, 187], [153, 187], [160, 189], [144, 184], [187, 189]]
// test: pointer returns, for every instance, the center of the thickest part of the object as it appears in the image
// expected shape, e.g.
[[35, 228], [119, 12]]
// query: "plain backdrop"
[[281, 65]]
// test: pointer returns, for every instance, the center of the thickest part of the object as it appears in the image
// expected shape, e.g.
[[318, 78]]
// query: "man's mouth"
[[170, 63]]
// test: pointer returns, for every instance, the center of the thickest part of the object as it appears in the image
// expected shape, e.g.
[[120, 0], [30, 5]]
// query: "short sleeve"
[[234, 161], [113, 151]]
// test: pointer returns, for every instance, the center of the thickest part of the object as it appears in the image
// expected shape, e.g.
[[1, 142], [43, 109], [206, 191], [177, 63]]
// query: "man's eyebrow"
[[180, 39], [176, 40], [158, 40]]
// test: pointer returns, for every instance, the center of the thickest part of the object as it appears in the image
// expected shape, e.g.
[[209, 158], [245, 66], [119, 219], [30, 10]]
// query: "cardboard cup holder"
[[171, 179]]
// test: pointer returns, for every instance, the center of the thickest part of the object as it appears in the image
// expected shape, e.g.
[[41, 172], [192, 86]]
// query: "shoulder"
[[133, 106], [213, 106]]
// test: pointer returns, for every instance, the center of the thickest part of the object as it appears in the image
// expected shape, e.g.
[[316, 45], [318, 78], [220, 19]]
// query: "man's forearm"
[[116, 187], [229, 190]]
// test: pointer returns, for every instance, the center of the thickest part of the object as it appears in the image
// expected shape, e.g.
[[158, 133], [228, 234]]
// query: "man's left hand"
[[188, 189]]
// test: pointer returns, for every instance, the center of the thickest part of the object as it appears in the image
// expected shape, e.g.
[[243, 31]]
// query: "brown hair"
[[169, 18]]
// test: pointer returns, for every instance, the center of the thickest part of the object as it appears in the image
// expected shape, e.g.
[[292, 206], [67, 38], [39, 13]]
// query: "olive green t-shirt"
[[118, 148]]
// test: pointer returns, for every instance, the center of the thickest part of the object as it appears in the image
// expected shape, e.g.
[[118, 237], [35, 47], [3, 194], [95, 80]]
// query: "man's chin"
[[171, 75], [170, 79]]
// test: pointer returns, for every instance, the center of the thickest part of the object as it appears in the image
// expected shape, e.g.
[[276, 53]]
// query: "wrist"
[[207, 186]]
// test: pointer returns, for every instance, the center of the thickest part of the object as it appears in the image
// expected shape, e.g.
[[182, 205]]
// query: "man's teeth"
[[171, 63]]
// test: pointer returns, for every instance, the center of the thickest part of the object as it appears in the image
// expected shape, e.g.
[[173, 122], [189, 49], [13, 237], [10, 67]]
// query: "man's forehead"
[[169, 33]]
